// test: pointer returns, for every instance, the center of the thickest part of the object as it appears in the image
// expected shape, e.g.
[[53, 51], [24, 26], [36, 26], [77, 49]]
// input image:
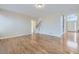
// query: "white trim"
[[18, 35], [12, 36], [60, 35]]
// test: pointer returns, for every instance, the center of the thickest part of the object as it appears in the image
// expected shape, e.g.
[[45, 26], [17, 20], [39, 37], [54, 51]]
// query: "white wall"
[[52, 25], [13, 24]]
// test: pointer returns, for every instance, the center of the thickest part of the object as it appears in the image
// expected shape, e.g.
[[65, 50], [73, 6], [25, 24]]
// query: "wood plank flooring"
[[36, 44]]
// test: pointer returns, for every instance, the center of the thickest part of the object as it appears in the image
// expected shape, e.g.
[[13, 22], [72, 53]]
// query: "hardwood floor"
[[71, 42], [37, 44]]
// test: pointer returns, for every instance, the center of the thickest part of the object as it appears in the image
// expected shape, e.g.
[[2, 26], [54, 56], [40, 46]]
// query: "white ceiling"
[[49, 9]]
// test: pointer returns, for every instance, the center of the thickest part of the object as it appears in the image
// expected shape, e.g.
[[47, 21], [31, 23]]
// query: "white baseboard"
[[12, 36], [17, 35], [60, 35]]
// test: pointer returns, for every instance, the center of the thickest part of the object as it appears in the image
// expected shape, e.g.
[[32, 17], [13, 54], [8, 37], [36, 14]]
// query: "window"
[[72, 18]]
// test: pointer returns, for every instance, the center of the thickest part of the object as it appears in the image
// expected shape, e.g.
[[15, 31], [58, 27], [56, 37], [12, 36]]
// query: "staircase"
[[35, 27]]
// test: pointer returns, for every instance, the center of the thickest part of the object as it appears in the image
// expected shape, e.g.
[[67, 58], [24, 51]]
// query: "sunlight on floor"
[[72, 43]]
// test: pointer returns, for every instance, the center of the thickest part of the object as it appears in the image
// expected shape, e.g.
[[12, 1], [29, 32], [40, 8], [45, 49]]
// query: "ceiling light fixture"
[[39, 5]]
